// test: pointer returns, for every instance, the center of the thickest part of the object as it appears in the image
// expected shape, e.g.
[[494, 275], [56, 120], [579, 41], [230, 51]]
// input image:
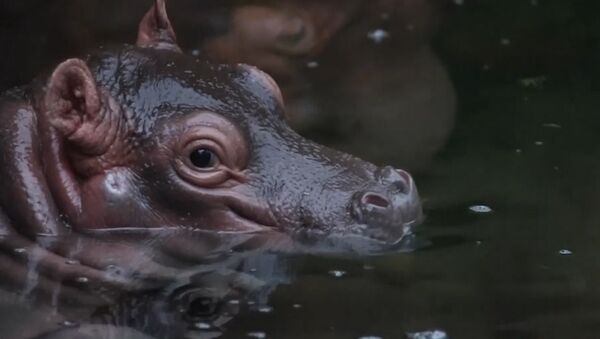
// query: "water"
[[509, 247]]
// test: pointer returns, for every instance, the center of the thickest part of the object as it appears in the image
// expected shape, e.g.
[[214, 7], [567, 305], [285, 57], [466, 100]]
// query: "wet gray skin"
[[146, 137]]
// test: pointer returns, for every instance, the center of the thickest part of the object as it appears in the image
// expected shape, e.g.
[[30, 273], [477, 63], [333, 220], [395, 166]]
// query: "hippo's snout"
[[389, 206]]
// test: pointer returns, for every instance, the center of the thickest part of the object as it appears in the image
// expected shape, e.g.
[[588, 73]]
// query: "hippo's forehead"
[[156, 86]]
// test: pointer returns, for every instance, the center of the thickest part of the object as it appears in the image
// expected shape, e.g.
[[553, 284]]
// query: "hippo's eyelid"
[[239, 176]]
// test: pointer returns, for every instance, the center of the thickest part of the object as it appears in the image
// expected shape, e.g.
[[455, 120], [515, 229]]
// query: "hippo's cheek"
[[113, 200]]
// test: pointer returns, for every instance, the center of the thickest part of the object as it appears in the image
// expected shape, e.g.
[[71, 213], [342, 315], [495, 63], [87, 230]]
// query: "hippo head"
[[145, 136]]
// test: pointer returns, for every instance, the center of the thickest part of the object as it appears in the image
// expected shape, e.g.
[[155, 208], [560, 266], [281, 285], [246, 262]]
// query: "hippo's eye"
[[203, 158]]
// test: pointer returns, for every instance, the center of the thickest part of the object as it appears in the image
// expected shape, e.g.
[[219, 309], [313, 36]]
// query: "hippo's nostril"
[[372, 208], [404, 174], [374, 199], [396, 179]]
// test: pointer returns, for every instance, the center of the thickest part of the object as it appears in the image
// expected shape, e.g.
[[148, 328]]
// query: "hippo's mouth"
[[241, 217], [389, 233], [359, 239]]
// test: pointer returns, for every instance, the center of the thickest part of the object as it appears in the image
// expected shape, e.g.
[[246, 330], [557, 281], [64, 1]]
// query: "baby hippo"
[[146, 137]]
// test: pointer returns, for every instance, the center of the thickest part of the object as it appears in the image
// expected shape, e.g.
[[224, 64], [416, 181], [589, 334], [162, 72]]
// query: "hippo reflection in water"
[[145, 137]]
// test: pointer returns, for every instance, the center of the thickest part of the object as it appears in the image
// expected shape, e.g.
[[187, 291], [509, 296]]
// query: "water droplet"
[[505, 41], [459, 2], [565, 252], [265, 309], [259, 335], [378, 35], [518, 150], [234, 302], [337, 273], [113, 271], [72, 262], [480, 209], [68, 323], [82, 280], [551, 125], [312, 64], [297, 306], [203, 326], [196, 52], [435, 334], [20, 250], [538, 143], [533, 82]]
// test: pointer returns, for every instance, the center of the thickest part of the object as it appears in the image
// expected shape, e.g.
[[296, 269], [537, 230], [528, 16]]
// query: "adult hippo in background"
[[358, 75], [389, 101]]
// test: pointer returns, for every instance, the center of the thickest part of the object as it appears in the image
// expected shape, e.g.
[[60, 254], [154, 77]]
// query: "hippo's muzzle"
[[389, 207]]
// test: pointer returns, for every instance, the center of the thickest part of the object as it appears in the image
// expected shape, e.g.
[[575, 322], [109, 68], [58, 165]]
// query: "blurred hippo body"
[[146, 137]]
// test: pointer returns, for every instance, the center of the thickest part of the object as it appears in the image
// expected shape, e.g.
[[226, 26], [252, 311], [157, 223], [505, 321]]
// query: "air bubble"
[[203, 326], [82, 280], [337, 273], [68, 323], [265, 309], [480, 209], [565, 252], [551, 125], [435, 334], [378, 35]]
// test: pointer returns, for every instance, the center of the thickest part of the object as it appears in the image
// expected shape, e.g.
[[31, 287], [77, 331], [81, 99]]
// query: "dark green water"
[[526, 144], [529, 269]]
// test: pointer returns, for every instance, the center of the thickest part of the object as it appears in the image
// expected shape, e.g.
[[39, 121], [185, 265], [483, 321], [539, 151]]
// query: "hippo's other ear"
[[72, 97], [155, 30], [266, 81]]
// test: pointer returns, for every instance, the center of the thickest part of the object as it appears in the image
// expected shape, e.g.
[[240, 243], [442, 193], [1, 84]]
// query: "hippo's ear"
[[72, 97], [155, 30], [268, 84]]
